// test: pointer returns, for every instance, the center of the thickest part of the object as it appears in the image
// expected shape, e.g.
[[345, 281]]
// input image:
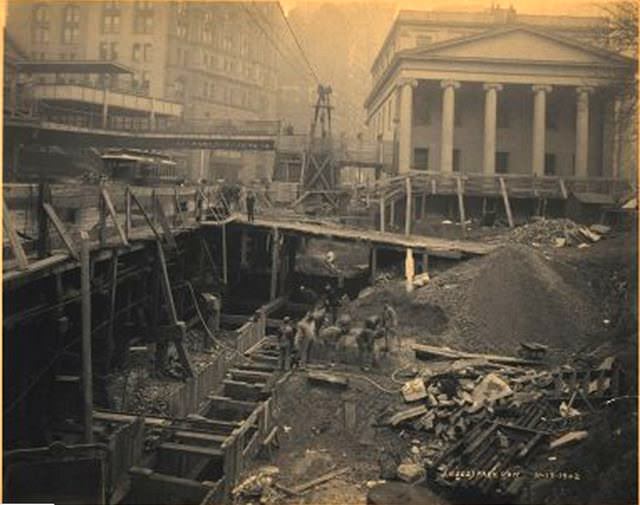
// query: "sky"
[[549, 7]]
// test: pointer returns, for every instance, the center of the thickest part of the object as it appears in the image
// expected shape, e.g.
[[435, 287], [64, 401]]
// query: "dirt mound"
[[492, 303], [519, 295]]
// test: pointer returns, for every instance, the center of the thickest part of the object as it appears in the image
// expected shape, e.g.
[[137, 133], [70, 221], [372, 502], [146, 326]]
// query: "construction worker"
[[319, 314], [251, 204], [286, 337], [331, 302], [308, 295], [305, 337], [332, 335], [365, 338], [389, 324]]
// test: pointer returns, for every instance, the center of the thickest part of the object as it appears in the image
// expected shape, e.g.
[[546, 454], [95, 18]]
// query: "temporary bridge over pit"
[[437, 247]]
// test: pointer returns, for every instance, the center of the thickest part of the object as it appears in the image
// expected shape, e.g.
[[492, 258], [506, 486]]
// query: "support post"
[[102, 210], [409, 269], [87, 373], [127, 212], [407, 214], [382, 209], [244, 249], [44, 196], [373, 269], [273, 292], [505, 199], [392, 214], [225, 273], [423, 206], [463, 217], [112, 303]]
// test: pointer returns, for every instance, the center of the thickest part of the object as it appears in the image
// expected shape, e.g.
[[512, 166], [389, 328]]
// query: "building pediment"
[[519, 44]]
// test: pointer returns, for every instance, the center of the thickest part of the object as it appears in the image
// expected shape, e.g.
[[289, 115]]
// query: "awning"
[[71, 67]]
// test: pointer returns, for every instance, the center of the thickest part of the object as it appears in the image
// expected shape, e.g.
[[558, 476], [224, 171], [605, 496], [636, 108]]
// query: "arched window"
[[71, 24], [41, 24]]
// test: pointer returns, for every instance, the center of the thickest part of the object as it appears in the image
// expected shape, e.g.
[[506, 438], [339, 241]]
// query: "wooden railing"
[[524, 186], [104, 211]]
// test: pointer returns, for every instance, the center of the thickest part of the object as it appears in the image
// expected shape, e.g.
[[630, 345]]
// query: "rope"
[[374, 383]]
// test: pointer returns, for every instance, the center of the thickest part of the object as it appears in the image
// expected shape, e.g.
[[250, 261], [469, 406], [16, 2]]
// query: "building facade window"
[[207, 29], [111, 17], [135, 52], [502, 117], [148, 53], [549, 164], [143, 17], [103, 51], [178, 87], [71, 24], [421, 158], [457, 164], [502, 162], [41, 24]]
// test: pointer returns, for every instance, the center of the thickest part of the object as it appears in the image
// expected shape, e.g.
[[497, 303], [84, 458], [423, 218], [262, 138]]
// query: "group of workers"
[[322, 325]]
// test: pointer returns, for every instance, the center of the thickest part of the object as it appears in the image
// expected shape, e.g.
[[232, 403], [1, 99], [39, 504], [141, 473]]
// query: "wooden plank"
[[112, 213], [505, 200], [173, 315], [195, 450], [199, 437], [430, 352], [59, 226], [382, 213], [16, 246], [320, 480]]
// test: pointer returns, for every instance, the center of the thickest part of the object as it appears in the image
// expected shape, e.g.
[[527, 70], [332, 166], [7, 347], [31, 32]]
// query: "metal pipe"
[[87, 377]]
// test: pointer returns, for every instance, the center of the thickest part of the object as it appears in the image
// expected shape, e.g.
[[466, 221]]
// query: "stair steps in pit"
[[198, 460]]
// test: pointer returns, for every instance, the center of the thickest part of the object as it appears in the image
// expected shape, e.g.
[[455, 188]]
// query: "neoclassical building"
[[498, 92]]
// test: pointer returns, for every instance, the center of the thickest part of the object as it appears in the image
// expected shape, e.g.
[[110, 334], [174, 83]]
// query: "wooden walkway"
[[438, 247]]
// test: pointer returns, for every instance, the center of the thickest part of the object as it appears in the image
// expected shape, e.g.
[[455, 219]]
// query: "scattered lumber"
[[427, 352], [568, 438], [406, 415], [326, 379], [320, 480]]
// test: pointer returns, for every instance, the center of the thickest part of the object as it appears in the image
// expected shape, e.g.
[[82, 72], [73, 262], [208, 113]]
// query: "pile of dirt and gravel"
[[515, 294]]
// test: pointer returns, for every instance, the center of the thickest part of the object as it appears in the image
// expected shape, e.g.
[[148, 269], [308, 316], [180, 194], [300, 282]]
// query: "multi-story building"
[[499, 92], [189, 61]]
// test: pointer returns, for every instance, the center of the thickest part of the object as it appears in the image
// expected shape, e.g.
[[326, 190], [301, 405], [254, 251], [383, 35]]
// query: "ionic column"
[[490, 114], [448, 118], [582, 131], [404, 124], [539, 128]]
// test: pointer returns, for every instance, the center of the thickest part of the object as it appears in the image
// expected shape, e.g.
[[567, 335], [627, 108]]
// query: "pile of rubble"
[[484, 421], [557, 233]]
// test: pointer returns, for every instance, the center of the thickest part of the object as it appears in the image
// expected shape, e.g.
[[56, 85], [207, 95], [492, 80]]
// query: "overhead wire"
[[295, 38], [270, 39]]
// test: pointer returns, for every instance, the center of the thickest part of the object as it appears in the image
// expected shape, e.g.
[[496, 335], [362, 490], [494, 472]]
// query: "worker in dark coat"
[[332, 302], [365, 338], [251, 204], [389, 324], [286, 341]]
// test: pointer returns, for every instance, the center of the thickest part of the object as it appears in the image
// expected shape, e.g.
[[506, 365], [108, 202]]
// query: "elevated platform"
[[453, 249]]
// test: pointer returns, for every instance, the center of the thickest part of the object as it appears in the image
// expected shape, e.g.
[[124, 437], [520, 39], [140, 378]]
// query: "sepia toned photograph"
[[320, 252]]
